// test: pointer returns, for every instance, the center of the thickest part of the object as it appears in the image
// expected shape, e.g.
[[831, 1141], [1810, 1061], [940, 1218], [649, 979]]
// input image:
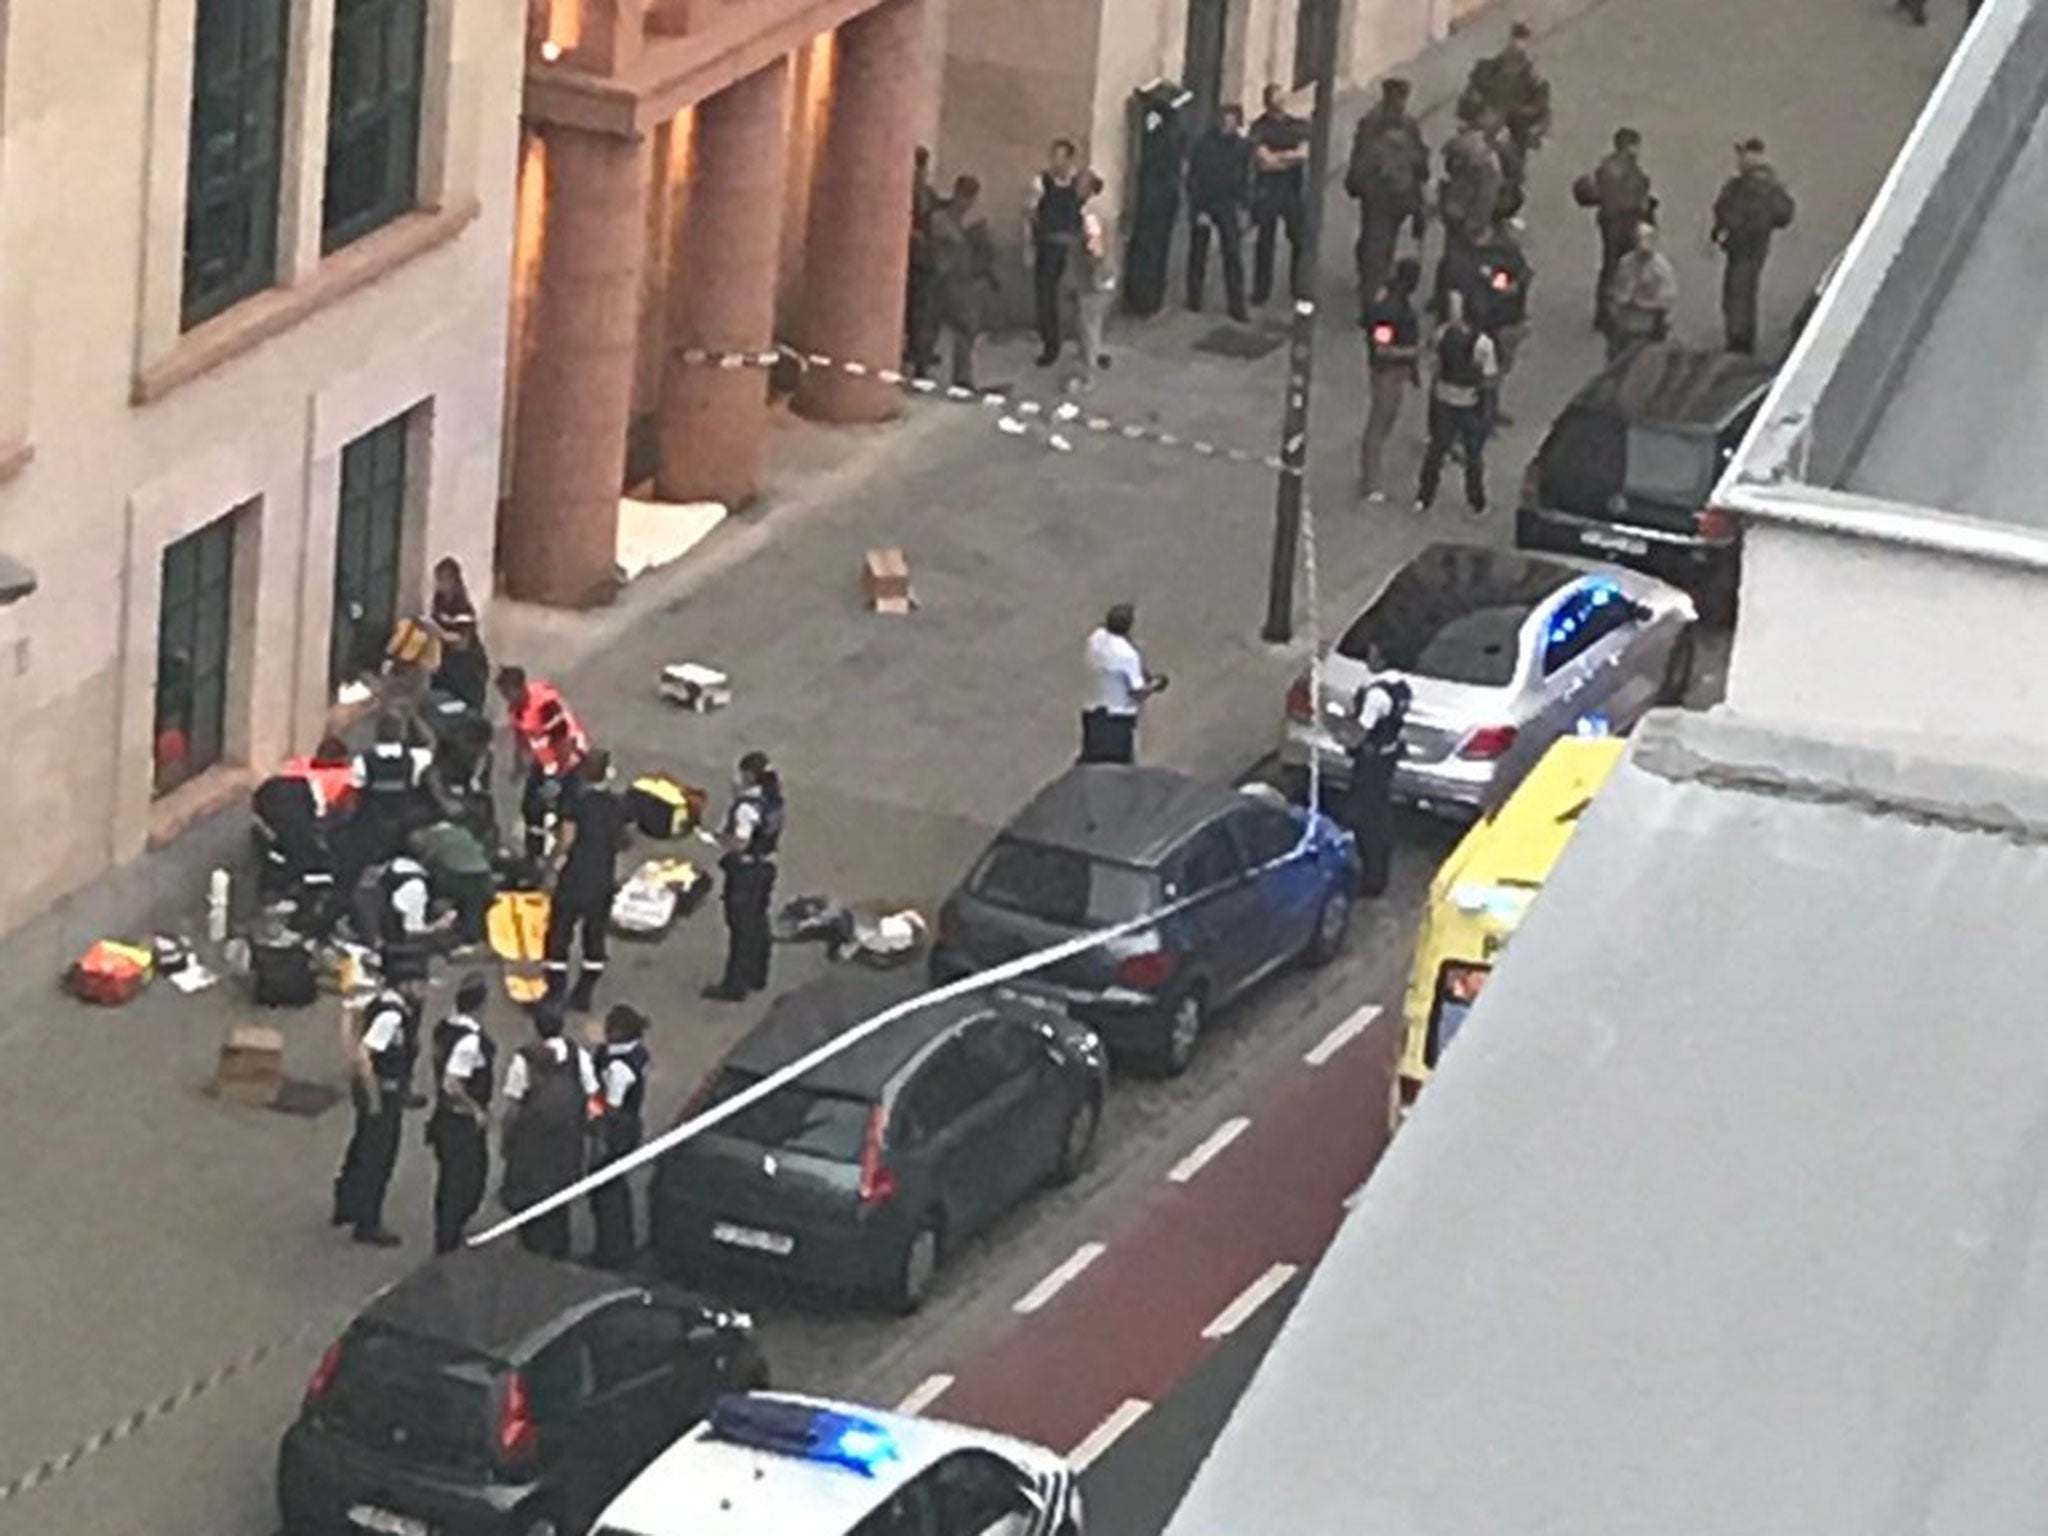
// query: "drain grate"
[[1241, 341], [306, 1100]]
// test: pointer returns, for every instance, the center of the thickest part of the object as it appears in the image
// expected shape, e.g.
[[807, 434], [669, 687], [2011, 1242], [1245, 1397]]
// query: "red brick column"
[[857, 241], [559, 539], [714, 421]]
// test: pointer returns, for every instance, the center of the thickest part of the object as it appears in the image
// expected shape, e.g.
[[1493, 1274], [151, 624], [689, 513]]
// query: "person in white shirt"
[[1120, 685], [1092, 272]]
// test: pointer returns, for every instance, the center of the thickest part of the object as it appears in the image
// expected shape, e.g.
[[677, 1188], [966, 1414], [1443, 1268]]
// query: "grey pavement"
[[153, 1233]]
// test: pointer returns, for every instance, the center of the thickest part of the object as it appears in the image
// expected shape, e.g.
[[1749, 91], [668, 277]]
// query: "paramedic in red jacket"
[[549, 743]]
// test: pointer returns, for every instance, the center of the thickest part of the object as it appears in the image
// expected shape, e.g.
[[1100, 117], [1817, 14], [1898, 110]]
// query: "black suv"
[[1627, 470], [863, 1173], [495, 1393]]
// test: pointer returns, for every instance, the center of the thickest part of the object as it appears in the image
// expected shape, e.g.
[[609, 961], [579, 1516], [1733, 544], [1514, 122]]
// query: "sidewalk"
[[155, 1233]]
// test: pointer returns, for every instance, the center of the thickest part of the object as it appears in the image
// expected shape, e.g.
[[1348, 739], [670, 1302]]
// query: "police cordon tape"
[[133, 1423], [1022, 410]]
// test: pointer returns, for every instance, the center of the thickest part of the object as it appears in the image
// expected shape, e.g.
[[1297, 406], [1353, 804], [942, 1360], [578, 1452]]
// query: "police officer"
[[1459, 397], [1393, 352], [1219, 178], [549, 743], [1279, 193], [399, 895], [392, 796], [586, 862], [550, 1091], [750, 837], [465, 1060], [383, 1056], [1379, 710], [1054, 225], [622, 1064], [1618, 192], [1752, 207]]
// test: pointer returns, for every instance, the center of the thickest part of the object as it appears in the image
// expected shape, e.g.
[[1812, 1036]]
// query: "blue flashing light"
[[823, 1435]]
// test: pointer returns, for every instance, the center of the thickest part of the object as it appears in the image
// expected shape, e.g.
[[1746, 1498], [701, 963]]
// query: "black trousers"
[[1462, 426], [1617, 239], [1270, 213], [464, 1159], [1047, 268], [749, 888], [611, 1206], [369, 1159], [1741, 278], [1222, 219], [920, 318], [1108, 738], [1369, 813], [573, 914], [1379, 235], [547, 1235]]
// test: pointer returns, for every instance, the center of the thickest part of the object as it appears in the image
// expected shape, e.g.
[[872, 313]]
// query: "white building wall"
[[1847, 635], [251, 408]]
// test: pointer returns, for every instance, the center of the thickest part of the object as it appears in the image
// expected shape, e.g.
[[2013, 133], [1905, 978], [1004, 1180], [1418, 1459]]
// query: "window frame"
[[1215, 834], [985, 1043], [213, 670], [941, 1072], [395, 110], [379, 502], [1243, 821], [254, 187], [651, 1359]]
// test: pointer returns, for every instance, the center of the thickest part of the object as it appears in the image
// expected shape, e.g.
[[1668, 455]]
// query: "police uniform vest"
[[1059, 207], [551, 733], [1383, 737], [760, 848], [393, 1065], [1504, 288], [447, 1034], [1393, 333], [389, 771], [1457, 358], [633, 1053]]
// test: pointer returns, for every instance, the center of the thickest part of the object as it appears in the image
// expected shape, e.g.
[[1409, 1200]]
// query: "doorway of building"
[[1208, 42], [369, 538]]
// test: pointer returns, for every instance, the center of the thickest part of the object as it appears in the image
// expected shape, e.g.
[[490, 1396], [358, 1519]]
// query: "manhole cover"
[[306, 1100], [1240, 341]]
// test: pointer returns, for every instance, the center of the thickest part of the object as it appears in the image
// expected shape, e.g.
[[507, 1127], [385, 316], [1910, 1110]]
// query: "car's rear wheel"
[[1179, 1032], [1077, 1141], [1678, 668], [916, 1268], [1333, 927]]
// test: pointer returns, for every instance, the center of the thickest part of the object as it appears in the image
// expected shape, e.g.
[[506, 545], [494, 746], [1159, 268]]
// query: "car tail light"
[[1301, 704], [1488, 743], [323, 1373], [518, 1438], [1152, 969], [1714, 524], [877, 1181]]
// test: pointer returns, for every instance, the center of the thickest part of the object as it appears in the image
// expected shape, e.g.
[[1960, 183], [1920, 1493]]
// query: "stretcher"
[[517, 926]]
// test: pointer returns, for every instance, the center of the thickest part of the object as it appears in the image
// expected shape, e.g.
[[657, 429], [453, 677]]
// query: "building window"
[[368, 538], [193, 631], [231, 177], [373, 117]]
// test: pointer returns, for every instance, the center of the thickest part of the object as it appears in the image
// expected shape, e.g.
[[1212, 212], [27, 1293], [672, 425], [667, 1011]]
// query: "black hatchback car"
[[865, 1171], [1627, 471], [496, 1393]]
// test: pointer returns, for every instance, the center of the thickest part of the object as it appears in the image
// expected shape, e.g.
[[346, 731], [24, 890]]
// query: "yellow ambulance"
[[1480, 895]]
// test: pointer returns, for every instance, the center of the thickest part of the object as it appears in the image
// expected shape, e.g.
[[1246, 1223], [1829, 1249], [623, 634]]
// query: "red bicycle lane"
[[1130, 1323]]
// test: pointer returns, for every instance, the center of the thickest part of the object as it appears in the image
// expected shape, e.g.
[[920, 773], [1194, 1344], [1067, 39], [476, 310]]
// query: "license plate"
[[781, 1244], [1619, 543], [369, 1517]]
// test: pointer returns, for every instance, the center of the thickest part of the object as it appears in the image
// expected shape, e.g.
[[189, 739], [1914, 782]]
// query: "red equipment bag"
[[110, 973]]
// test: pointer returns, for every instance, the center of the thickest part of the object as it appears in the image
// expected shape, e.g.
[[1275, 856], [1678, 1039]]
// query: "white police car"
[[774, 1464]]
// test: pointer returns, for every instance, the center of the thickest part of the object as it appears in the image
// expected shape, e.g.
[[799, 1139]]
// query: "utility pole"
[[1301, 344]]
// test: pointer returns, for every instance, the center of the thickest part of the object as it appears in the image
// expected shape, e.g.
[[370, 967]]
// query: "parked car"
[[496, 1393], [770, 1464], [1504, 653], [1104, 845], [1626, 473], [865, 1172]]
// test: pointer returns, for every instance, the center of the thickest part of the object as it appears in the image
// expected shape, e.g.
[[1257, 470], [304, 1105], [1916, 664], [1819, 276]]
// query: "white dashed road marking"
[[1202, 1156], [924, 1394], [1253, 1297], [1342, 1035], [1108, 1432], [1060, 1278]]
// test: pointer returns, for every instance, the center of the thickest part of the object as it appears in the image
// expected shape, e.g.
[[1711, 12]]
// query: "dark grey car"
[[1244, 886], [862, 1173]]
